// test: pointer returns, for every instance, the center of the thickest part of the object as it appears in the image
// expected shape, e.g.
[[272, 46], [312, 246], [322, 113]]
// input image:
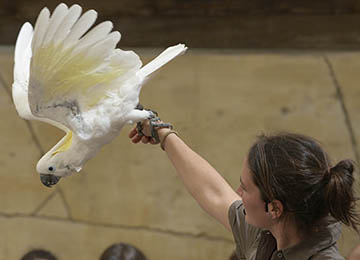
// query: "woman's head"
[[294, 170], [122, 251], [38, 254]]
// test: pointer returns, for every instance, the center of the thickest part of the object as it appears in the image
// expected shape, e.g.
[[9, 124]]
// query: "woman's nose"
[[239, 190]]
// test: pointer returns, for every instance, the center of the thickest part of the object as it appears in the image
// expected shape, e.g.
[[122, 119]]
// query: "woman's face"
[[256, 214]]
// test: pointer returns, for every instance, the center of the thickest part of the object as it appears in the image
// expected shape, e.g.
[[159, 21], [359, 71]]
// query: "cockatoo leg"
[[152, 117], [139, 127], [139, 107], [138, 115], [155, 123]]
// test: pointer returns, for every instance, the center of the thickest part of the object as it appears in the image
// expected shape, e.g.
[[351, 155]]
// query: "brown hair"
[[295, 170], [38, 254], [122, 251]]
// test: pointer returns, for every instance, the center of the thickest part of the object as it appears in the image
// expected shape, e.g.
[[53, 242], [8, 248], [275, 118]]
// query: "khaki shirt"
[[257, 244]]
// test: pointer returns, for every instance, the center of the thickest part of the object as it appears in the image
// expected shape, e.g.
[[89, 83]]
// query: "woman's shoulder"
[[331, 253]]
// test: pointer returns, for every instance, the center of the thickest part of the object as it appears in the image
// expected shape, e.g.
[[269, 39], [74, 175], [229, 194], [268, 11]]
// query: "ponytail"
[[339, 195]]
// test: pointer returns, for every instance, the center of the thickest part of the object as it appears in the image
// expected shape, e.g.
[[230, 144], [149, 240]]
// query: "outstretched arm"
[[203, 182]]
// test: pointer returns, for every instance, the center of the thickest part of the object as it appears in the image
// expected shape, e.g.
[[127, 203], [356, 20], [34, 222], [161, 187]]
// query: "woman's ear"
[[276, 209]]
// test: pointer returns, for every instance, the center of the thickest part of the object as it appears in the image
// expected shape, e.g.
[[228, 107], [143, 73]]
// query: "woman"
[[290, 201]]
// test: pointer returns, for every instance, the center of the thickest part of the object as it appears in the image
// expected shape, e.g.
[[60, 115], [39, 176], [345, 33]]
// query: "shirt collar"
[[322, 239]]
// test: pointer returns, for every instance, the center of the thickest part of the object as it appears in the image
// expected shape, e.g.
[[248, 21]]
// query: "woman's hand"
[[146, 137], [145, 134]]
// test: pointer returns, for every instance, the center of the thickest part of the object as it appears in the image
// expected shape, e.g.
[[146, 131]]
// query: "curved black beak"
[[49, 180]]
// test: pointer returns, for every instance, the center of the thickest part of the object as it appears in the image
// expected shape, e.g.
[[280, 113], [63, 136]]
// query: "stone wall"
[[212, 23], [218, 101]]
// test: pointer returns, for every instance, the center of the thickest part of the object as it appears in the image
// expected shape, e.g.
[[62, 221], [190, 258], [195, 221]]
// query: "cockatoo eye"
[[51, 168]]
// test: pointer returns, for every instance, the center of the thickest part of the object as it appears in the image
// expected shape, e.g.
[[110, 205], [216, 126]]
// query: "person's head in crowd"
[[39, 254], [122, 251]]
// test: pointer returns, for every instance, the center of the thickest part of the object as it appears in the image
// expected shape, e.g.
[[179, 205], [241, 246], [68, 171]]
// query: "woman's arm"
[[203, 182]]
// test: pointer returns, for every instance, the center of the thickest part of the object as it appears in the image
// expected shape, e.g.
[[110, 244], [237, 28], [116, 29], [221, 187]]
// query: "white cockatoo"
[[78, 81]]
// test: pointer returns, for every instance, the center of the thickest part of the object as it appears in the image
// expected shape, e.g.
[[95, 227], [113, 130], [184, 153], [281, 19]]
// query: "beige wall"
[[218, 101]]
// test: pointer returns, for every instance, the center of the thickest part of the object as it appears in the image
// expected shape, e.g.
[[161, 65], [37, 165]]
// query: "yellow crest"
[[65, 144]]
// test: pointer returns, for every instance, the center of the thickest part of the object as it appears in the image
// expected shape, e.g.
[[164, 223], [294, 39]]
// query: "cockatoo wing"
[[21, 76], [71, 70]]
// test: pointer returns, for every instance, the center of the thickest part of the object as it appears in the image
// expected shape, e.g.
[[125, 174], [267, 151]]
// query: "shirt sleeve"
[[245, 235]]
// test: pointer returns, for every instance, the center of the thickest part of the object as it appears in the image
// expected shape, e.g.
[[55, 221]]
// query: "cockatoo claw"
[[156, 123], [49, 180], [153, 114], [139, 129]]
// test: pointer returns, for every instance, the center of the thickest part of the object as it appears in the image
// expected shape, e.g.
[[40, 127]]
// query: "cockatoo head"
[[59, 162], [52, 167]]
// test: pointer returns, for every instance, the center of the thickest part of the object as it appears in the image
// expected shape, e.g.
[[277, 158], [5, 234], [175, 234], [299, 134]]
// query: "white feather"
[[103, 48], [128, 60], [81, 27], [56, 19], [21, 71], [23, 54], [166, 56], [68, 22], [96, 34], [41, 25], [22, 59]]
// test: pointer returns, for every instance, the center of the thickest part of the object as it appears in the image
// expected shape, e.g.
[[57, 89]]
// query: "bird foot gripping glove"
[[155, 123]]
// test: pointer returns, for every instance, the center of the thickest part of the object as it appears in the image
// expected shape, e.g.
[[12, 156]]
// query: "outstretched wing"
[[71, 70], [21, 76]]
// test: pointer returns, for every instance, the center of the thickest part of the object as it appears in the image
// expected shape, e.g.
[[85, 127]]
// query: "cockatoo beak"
[[49, 180]]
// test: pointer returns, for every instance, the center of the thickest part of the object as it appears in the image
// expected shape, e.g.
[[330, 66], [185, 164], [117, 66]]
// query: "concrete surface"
[[218, 101]]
